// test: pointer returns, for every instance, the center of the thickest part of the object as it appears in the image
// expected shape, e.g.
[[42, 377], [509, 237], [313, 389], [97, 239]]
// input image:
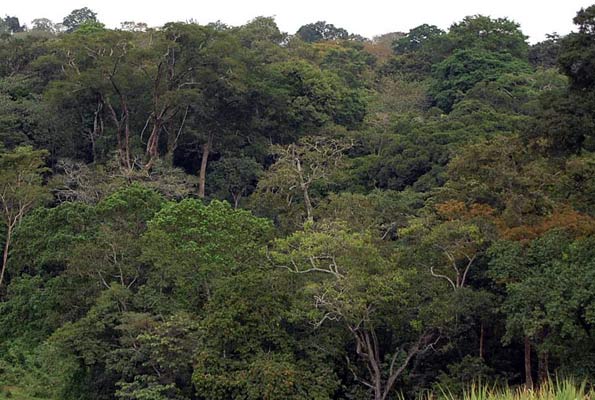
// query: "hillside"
[[233, 212]]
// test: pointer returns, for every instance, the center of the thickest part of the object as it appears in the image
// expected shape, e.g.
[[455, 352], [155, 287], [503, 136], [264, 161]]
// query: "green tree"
[[452, 249], [10, 25], [499, 35], [78, 18], [577, 51], [546, 281], [417, 38], [21, 189], [353, 284], [43, 25], [320, 31], [454, 76], [545, 54], [190, 244], [234, 178], [155, 357], [111, 251], [96, 90], [300, 166], [566, 118], [257, 346]]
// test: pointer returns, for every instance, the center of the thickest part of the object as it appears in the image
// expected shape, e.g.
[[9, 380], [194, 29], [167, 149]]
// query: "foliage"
[[191, 245], [21, 190], [232, 212], [79, 18], [465, 68], [320, 30]]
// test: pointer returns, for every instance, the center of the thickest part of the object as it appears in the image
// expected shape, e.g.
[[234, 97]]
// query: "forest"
[[213, 212]]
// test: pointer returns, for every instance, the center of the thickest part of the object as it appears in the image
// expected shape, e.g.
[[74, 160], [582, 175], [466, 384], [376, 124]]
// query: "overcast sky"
[[365, 17]]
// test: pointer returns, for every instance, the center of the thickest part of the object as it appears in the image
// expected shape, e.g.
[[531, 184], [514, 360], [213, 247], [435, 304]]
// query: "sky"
[[364, 17]]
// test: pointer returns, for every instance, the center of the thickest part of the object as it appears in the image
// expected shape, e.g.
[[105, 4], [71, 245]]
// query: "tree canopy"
[[203, 211]]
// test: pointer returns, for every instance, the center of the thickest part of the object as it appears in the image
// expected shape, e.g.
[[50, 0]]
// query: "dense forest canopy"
[[233, 212]]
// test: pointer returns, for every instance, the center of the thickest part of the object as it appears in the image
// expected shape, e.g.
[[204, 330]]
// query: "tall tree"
[[300, 166], [11, 25], [43, 25], [319, 31], [21, 189], [416, 38], [352, 284], [578, 51], [78, 17], [499, 35]]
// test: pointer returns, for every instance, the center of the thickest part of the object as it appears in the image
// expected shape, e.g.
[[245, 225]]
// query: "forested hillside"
[[215, 212]]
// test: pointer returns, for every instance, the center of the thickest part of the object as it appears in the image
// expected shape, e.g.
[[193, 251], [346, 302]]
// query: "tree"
[[353, 285], [223, 98], [545, 281], [110, 251], [305, 98], [504, 175], [155, 357], [545, 54], [499, 35], [300, 166], [514, 181], [458, 73], [564, 124], [133, 26], [43, 25], [260, 33], [79, 17], [190, 245], [566, 119], [21, 189], [577, 51], [352, 64], [380, 212], [11, 25], [21, 114], [202, 76], [452, 249], [257, 346], [416, 38], [99, 66], [236, 177], [320, 31]]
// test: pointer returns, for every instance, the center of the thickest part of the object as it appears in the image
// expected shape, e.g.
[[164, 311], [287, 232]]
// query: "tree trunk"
[[172, 141], [543, 366], [308, 203], [378, 394], [122, 129], [368, 349], [304, 187], [5, 253], [93, 149], [481, 340], [202, 176], [236, 199], [528, 377], [97, 128], [127, 143], [153, 144]]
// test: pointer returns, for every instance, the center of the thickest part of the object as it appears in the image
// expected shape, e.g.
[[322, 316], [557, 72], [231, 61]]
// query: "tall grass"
[[558, 390], [551, 390]]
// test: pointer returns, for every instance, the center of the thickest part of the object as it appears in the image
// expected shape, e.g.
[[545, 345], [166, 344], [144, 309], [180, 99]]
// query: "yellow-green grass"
[[552, 390], [15, 393]]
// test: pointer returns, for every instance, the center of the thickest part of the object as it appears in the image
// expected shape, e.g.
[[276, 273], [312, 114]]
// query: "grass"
[[551, 390], [15, 393]]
